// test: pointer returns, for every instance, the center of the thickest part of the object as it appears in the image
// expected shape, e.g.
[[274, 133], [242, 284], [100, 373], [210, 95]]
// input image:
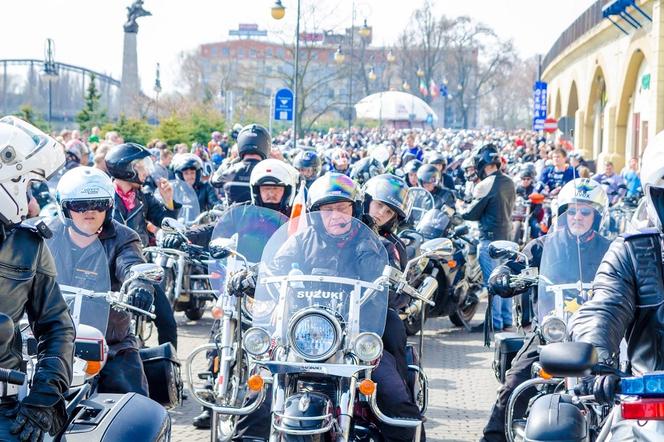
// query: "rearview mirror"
[[148, 272], [221, 248], [502, 249], [571, 359], [172, 225], [461, 230], [438, 248]]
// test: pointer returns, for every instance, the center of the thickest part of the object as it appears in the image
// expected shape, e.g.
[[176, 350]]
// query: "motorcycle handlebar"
[[12, 376]]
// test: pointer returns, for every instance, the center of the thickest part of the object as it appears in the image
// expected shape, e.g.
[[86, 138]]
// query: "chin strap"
[[69, 223]]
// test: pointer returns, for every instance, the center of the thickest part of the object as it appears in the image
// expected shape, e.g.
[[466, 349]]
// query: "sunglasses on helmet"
[[80, 206], [585, 211]]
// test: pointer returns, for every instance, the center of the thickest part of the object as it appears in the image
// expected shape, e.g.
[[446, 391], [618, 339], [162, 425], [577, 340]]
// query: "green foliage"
[[91, 115], [131, 129], [173, 130], [202, 123], [27, 113]]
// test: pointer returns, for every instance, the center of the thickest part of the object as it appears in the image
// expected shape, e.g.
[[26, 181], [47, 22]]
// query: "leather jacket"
[[234, 178], [123, 250], [27, 273], [493, 202], [628, 301], [147, 208]]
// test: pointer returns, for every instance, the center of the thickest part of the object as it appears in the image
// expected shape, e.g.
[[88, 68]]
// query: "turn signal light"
[[217, 312], [215, 364], [367, 387], [643, 409], [452, 263], [93, 367], [544, 374], [255, 383]]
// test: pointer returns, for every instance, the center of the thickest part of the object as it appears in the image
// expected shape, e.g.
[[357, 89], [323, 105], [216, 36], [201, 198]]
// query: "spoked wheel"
[[223, 427]]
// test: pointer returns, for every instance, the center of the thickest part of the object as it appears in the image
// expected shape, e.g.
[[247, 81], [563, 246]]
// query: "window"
[[213, 51], [240, 52], [226, 52], [280, 52], [252, 53]]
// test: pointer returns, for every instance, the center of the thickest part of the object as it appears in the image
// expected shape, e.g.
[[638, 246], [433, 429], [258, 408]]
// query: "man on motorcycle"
[[439, 161], [628, 293], [85, 198], [189, 168], [28, 283], [253, 145], [308, 164], [410, 171], [428, 177], [492, 206], [583, 205]]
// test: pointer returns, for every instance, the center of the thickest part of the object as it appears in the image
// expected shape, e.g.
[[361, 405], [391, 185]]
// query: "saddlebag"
[[162, 368], [507, 345]]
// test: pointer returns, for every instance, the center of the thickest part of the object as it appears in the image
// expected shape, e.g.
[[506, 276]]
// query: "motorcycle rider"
[[85, 198], [253, 145], [471, 178], [308, 163], [365, 169], [337, 197], [29, 286], [628, 294], [129, 165], [576, 233], [439, 161], [492, 206], [410, 172], [428, 177], [189, 168], [340, 161], [526, 186]]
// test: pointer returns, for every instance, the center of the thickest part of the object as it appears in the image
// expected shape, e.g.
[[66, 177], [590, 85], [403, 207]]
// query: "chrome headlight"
[[554, 329], [368, 346], [314, 334], [256, 341]]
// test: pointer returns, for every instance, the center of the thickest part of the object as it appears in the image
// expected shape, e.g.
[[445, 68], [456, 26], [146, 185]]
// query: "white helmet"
[[276, 173], [652, 179], [84, 188], [584, 190], [26, 154]]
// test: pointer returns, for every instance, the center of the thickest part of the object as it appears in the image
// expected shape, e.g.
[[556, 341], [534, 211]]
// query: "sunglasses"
[[81, 206], [584, 211]]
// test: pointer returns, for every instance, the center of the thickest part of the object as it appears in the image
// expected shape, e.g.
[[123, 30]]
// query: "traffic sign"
[[550, 125], [283, 105], [538, 123]]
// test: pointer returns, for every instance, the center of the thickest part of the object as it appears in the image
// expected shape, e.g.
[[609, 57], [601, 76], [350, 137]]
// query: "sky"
[[89, 33]]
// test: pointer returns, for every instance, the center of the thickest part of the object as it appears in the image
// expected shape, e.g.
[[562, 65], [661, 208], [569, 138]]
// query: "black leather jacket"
[[493, 202], [123, 250], [628, 302], [147, 208], [207, 198], [27, 273], [234, 178]]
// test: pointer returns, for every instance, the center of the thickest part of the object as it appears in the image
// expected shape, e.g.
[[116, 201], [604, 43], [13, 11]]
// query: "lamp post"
[[157, 90], [364, 32], [278, 12], [50, 72]]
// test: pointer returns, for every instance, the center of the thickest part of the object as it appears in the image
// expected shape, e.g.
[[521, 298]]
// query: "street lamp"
[[50, 72], [278, 10], [157, 90], [405, 86], [339, 56], [364, 31], [372, 75], [420, 72], [390, 57]]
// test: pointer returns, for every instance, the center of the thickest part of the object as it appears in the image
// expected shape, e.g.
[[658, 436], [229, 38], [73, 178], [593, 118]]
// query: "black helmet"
[[412, 166], [120, 159], [435, 158], [488, 154], [331, 188], [428, 174], [185, 161], [254, 139], [307, 158], [365, 169], [526, 173], [407, 157], [389, 190]]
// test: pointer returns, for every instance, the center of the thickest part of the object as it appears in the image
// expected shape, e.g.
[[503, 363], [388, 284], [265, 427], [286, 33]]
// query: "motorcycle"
[[457, 274], [316, 340], [422, 201], [527, 218], [237, 243], [186, 281]]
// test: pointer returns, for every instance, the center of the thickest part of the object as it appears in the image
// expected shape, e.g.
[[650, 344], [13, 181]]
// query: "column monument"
[[130, 89]]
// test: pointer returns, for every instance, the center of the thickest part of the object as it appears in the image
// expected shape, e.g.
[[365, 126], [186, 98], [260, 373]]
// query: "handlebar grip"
[[12, 376]]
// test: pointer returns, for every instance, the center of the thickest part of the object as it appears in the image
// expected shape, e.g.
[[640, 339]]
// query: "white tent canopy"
[[394, 106]]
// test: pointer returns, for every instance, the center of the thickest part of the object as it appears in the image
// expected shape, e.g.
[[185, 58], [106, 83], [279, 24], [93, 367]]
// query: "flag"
[[423, 88], [433, 88], [298, 221]]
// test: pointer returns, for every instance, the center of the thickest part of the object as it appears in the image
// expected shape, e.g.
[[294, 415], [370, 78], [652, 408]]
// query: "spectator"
[[613, 183], [554, 177], [631, 176], [94, 135], [100, 156]]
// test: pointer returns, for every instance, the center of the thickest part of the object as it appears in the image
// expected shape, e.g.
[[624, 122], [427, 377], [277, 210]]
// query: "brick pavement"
[[462, 386]]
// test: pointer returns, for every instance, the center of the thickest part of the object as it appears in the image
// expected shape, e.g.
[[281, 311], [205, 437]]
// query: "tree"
[[91, 115], [27, 113], [131, 130], [173, 130], [203, 122]]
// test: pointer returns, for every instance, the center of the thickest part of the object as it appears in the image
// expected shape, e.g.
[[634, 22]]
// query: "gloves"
[[499, 282], [140, 295], [173, 241], [605, 388], [242, 283], [33, 422]]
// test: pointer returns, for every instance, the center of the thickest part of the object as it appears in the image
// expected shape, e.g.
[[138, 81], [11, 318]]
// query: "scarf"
[[128, 198]]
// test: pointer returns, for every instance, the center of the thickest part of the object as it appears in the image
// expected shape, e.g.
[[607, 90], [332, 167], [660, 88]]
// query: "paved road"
[[462, 386]]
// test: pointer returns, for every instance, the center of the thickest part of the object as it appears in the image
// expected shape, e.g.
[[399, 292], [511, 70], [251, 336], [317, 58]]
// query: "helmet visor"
[[80, 206], [143, 168]]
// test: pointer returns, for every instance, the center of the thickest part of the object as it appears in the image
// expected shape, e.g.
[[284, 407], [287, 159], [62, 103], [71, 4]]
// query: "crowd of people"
[[120, 192]]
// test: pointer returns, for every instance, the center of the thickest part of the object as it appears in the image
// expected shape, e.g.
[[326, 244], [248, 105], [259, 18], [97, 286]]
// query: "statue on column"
[[133, 12]]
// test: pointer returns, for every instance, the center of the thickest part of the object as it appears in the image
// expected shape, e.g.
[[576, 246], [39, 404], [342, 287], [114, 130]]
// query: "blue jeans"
[[501, 312]]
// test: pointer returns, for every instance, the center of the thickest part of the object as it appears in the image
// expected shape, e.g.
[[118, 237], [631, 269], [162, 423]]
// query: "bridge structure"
[[25, 82]]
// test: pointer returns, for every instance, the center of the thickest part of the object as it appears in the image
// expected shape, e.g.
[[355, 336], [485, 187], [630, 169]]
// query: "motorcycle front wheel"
[[464, 314]]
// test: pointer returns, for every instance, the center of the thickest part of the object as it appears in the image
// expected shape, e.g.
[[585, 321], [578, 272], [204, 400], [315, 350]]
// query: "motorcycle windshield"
[[433, 224], [184, 194], [250, 227], [83, 275], [422, 202], [571, 253], [330, 267]]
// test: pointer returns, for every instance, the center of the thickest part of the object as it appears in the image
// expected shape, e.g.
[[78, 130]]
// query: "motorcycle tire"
[[168, 285], [413, 326], [195, 313], [465, 313]]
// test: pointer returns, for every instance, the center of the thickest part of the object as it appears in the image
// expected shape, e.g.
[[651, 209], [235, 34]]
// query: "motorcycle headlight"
[[256, 341], [368, 346], [554, 329], [315, 335]]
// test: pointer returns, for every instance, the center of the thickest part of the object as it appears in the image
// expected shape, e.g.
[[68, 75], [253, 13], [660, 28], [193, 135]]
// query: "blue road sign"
[[283, 105], [539, 100], [443, 90]]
